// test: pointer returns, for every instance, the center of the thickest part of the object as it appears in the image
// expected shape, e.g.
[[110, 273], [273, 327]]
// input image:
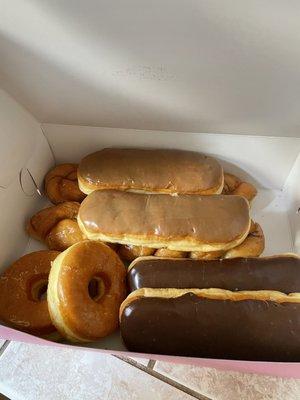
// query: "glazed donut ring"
[[129, 252], [86, 288], [61, 184], [234, 186], [56, 226], [21, 288]]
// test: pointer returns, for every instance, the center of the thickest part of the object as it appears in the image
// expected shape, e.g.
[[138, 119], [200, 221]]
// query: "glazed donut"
[[61, 184], [129, 252], [56, 226], [22, 286], [233, 185], [86, 288], [166, 253]]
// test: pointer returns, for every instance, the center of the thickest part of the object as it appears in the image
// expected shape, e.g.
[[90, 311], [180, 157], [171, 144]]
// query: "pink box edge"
[[280, 369]]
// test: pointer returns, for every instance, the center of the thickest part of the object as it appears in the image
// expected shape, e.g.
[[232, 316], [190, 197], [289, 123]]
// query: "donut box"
[[29, 149]]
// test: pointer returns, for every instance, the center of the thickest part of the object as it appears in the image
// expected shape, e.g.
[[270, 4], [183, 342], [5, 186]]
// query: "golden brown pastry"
[[182, 223], [23, 286], [201, 255], [253, 245], [150, 171], [233, 185], [166, 253], [113, 246], [61, 184], [56, 226], [129, 253], [86, 288]]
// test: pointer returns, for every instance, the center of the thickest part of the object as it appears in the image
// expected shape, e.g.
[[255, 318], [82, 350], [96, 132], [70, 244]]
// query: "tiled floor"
[[231, 385], [40, 372]]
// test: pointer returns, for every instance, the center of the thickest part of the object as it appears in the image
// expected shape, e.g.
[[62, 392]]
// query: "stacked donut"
[[176, 209]]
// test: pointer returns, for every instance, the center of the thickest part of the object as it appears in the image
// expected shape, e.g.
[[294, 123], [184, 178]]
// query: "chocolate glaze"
[[280, 273], [197, 327], [171, 170], [205, 219]]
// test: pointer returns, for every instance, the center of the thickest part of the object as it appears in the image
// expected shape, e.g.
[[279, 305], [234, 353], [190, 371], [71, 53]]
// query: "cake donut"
[[22, 288], [86, 288], [150, 171], [61, 184]]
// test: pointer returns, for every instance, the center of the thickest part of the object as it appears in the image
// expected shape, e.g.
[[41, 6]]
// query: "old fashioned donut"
[[129, 252], [61, 184], [234, 185], [56, 226], [86, 288], [22, 289]]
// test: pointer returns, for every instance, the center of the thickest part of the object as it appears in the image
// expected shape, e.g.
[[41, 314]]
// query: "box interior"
[[29, 149]]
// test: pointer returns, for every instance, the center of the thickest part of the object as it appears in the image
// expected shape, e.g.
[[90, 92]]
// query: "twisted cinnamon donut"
[[129, 253], [56, 226], [61, 184], [252, 246], [233, 185], [166, 253]]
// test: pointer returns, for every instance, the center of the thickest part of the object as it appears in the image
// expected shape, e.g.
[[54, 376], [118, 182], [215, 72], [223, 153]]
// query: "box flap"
[[198, 66], [19, 132]]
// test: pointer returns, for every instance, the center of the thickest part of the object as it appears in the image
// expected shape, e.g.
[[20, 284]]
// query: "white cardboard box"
[[193, 66], [29, 149]]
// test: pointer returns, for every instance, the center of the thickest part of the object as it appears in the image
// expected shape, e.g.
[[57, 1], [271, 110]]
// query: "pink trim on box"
[[282, 369]]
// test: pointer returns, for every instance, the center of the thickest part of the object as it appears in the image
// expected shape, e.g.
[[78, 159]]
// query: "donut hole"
[[38, 289], [97, 287]]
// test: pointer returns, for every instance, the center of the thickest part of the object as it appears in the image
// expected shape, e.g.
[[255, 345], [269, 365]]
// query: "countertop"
[[29, 372]]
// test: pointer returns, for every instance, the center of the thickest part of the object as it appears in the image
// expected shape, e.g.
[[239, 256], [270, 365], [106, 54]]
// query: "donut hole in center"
[[38, 289], [96, 288]]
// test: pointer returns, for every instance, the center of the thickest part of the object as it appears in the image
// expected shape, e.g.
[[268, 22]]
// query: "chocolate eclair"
[[213, 323], [280, 273]]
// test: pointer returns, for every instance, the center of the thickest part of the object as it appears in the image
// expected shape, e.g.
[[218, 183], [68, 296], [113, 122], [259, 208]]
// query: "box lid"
[[204, 66]]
